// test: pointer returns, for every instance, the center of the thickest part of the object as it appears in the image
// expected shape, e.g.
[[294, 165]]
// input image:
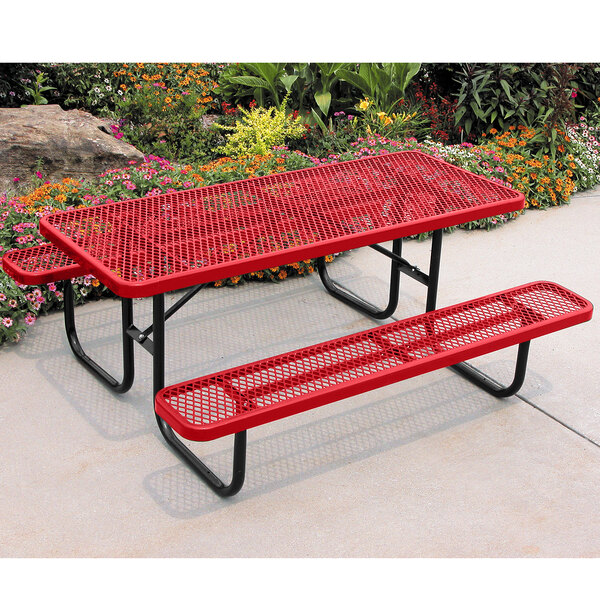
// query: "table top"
[[155, 244]]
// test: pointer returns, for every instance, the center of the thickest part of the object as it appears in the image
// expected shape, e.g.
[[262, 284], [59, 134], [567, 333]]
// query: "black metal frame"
[[91, 365], [481, 380], [431, 280], [399, 265], [156, 347], [158, 378]]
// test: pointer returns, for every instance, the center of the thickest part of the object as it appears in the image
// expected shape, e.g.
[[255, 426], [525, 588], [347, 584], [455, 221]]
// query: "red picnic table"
[[148, 246]]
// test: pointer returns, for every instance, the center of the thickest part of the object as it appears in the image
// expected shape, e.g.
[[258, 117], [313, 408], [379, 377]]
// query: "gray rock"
[[70, 143]]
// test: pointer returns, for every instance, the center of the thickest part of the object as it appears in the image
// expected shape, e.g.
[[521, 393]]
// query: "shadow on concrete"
[[218, 330], [312, 449]]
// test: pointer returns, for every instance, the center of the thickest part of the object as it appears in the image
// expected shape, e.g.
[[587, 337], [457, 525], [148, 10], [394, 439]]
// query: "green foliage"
[[90, 86], [499, 95], [314, 88], [37, 90], [384, 83], [153, 127], [14, 79], [396, 125], [267, 81], [260, 129]]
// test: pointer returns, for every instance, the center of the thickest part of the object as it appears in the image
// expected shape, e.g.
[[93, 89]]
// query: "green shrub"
[[260, 129], [499, 95]]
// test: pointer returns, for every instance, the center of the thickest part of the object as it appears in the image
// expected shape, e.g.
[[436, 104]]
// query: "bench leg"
[[215, 484], [481, 380], [126, 321], [158, 376]]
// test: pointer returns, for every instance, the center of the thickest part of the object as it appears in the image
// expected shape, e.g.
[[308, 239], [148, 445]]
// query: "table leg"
[[399, 265], [360, 303], [92, 366], [158, 379], [434, 270]]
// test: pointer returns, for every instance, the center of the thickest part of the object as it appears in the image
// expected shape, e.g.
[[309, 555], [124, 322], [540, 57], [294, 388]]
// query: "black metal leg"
[[434, 270], [481, 380], [360, 304], [239, 446], [399, 265], [91, 365]]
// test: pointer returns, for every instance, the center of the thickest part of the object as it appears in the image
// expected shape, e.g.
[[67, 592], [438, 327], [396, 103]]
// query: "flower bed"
[[508, 157]]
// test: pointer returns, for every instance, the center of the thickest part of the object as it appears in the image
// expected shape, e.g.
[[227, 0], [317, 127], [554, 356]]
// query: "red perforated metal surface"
[[155, 244], [40, 264], [236, 399]]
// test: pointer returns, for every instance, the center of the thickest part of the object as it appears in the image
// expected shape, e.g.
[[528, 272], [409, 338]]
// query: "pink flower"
[[7, 322], [16, 179], [38, 174], [574, 94], [30, 318]]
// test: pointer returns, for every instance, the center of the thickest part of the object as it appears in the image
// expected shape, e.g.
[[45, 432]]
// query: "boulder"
[[71, 143]]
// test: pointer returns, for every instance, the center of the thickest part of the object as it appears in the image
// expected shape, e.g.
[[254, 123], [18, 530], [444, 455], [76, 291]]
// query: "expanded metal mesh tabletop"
[[155, 244]]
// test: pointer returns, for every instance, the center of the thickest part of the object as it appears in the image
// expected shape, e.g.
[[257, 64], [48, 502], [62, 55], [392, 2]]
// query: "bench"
[[41, 264], [237, 399]]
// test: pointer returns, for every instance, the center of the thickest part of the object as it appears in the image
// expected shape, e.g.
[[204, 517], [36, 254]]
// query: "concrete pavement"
[[430, 467]]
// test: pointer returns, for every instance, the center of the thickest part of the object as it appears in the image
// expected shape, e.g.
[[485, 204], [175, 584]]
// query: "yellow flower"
[[364, 104]]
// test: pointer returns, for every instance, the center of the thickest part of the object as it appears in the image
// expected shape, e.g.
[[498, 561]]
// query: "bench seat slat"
[[41, 264], [205, 408]]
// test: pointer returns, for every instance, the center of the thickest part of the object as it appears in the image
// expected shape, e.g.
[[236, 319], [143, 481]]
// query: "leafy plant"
[[264, 81], [396, 125], [500, 95], [384, 83], [315, 89], [37, 90], [14, 78], [91, 86], [260, 129]]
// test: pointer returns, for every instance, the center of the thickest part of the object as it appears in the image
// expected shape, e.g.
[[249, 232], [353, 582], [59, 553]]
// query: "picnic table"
[[184, 240]]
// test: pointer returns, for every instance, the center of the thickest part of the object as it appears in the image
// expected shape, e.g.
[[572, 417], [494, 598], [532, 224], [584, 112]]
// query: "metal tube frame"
[[156, 347], [431, 280], [399, 265], [127, 343], [158, 377]]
